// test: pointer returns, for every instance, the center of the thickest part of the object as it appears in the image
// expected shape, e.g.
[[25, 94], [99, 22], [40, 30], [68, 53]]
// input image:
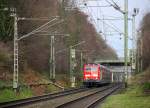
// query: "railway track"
[[73, 98], [23, 102], [91, 100]]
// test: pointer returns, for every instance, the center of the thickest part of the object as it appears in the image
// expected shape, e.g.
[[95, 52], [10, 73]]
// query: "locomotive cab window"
[[89, 69]]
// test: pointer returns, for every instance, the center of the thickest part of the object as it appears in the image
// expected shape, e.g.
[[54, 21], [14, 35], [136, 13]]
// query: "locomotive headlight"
[[95, 75], [87, 75]]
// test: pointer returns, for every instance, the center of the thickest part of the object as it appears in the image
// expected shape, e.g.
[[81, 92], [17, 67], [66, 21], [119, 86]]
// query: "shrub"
[[146, 86]]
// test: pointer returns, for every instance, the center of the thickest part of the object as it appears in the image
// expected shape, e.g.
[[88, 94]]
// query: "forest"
[[75, 23]]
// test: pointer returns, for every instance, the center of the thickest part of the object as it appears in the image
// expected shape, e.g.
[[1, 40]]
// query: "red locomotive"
[[96, 74]]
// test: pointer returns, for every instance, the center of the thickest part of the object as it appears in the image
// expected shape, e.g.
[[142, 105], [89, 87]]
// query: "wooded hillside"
[[145, 38], [35, 50]]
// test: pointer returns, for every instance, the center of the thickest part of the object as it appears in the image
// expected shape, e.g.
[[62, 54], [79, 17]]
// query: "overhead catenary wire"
[[110, 26], [115, 27], [101, 15], [40, 29], [82, 42], [115, 5], [37, 29], [92, 17]]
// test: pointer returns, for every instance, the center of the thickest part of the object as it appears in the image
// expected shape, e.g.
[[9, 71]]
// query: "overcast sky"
[[113, 29]]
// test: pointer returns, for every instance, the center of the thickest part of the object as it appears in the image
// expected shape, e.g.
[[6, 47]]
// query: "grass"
[[9, 94], [146, 86], [51, 88], [133, 97], [5, 83]]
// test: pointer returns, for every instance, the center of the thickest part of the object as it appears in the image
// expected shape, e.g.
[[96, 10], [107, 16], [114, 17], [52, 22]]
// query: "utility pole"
[[16, 47], [54, 73], [134, 41], [133, 44], [17, 39], [52, 59], [138, 52], [52, 65], [141, 52], [126, 37], [72, 53], [72, 66], [81, 65]]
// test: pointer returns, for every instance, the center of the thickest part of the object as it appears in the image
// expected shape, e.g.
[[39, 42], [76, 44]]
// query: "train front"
[[91, 73]]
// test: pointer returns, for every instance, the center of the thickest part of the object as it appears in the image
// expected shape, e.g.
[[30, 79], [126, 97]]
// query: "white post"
[[53, 39], [15, 74], [112, 76], [52, 59], [73, 81]]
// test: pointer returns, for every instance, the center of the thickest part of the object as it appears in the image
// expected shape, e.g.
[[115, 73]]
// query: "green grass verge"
[[9, 94], [52, 88], [133, 97]]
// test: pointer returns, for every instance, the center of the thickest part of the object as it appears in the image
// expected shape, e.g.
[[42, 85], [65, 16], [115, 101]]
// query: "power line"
[[116, 6], [113, 27], [91, 16], [40, 29]]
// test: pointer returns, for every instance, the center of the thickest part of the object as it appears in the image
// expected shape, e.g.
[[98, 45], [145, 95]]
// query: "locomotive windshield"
[[89, 69]]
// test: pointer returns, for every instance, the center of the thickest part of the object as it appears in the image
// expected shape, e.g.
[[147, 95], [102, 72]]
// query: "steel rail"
[[96, 102], [27, 101], [91, 105], [80, 98]]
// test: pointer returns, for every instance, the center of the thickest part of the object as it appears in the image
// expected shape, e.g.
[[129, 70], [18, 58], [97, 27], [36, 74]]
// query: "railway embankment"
[[131, 98], [137, 95]]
